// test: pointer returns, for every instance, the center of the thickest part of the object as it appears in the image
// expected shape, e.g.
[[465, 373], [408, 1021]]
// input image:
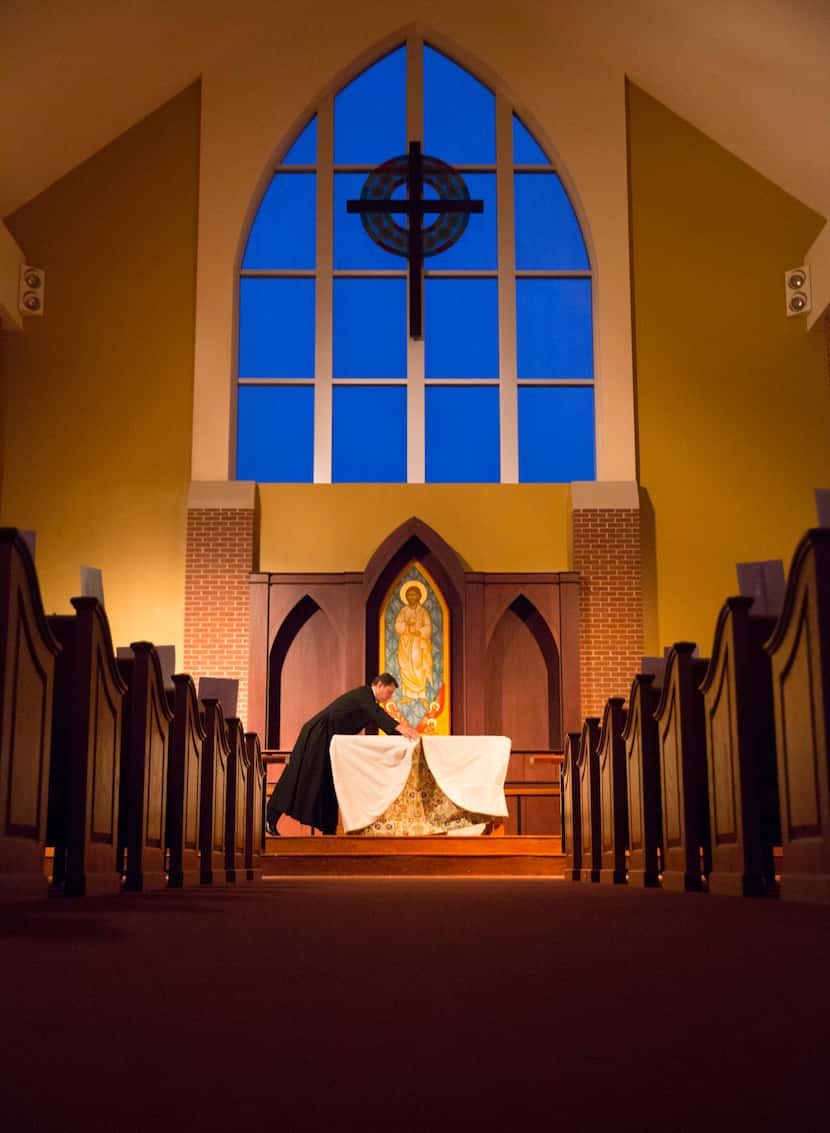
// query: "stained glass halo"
[[445, 230]]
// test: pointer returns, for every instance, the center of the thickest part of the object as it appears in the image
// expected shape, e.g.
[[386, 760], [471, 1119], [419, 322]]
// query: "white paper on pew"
[[369, 773], [470, 770], [92, 583]]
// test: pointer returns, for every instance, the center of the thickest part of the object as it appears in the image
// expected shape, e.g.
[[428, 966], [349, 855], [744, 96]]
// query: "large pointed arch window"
[[331, 385]]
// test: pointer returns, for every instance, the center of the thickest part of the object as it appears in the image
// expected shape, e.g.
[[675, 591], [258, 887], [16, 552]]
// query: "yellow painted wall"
[[337, 527], [733, 402], [733, 397], [98, 393]]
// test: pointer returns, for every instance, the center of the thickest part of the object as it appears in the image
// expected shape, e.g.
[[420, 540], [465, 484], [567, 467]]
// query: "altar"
[[388, 786]]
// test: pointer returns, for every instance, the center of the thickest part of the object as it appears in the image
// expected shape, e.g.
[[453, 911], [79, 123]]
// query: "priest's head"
[[383, 686]]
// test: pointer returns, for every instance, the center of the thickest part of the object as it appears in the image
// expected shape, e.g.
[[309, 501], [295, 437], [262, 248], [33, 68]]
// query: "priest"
[[306, 789]]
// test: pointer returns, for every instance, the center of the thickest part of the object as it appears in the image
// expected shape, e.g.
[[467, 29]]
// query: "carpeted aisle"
[[415, 1004]]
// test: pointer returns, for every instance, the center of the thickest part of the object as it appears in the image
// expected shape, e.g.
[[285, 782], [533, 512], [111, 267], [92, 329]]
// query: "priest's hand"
[[407, 730]]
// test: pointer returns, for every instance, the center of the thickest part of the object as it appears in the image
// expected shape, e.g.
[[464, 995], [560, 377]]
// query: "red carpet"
[[413, 1004]]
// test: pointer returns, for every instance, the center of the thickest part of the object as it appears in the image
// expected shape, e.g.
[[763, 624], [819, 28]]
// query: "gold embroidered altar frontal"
[[388, 785], [422, 807]]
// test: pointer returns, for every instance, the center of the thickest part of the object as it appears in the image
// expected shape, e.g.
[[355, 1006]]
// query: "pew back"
[[740, 745], [799, 651], [682, 737], [645, 810], [27, 677], [183, 786], [144, 770], [86, 753], [571, 820], [589, 800], [254, 808], [613, 794]]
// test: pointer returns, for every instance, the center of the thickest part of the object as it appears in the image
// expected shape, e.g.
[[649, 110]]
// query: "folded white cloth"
[[370, 772], [470, 770]]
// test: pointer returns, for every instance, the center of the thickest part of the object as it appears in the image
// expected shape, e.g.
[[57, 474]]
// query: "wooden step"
[[348, 855]]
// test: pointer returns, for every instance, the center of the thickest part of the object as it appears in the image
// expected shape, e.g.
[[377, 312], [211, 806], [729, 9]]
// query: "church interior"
[[593, 476]]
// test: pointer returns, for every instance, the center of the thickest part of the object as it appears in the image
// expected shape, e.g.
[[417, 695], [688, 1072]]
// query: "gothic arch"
[[415, 539], [292, 627], [508, 685]]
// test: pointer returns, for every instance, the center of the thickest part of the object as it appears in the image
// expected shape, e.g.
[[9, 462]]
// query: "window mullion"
[[508, 407], [324, 294], [415, 413]]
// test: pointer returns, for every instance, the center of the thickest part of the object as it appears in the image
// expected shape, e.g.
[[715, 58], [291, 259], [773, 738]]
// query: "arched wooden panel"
[[516, 685], [303, 678], [522, 680]]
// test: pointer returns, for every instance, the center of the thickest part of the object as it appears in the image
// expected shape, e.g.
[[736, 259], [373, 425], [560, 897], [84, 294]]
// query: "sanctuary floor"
[[414, 1004]]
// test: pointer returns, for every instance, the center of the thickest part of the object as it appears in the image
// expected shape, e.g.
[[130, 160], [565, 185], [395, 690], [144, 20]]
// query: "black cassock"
[[306, 788]]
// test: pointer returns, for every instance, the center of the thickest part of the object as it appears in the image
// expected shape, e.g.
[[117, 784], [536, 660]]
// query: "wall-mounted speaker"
[[32, 290], [797, 292]]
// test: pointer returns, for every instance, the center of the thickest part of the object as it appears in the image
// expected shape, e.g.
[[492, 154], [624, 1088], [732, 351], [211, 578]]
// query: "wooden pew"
[[740, 744], [645, 808], [236, 802], [682, 734], [86, 753], [799, 651], [613, 794], [213, 796], [27, 677], [145, 747], [255, 808], [589, 800], [570, 799], [183, 786]]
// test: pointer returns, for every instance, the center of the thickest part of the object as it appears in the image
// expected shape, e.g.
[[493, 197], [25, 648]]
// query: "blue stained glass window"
[[462, 435], [459, 114], [477, 250], [556, 434], [461, 328], [370, 331], [353, 247], [526, 150], [276, 328], [304, 150], [548, 235], [283, 234], [369, 444], [275, 434], [370, 114], [554, 329]]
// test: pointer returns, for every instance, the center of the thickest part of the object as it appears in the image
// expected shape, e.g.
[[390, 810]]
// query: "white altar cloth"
[[370, 773]]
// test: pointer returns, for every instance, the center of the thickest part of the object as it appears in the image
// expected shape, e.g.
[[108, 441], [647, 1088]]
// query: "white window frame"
[[506, 273]]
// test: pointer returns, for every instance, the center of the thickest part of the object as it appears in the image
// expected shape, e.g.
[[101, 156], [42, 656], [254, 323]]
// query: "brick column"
[[221, 553], [606, 553]]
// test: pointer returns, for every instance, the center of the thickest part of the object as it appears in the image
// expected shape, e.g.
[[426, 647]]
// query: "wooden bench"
[[86, 753], [799, 651], [254, 808], [613, 794], [645, 807], [213, 796], [571, 814], [145, 749], [685, 803], [183, 786], [27, 677], [236, 802], [740, 745], [589, 800]]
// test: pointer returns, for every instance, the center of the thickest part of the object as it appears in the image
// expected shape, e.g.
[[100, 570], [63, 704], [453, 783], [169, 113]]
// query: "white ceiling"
[[753, 74]]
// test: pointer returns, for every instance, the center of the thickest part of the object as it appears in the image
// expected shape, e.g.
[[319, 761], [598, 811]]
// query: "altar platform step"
[[436, 856]]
